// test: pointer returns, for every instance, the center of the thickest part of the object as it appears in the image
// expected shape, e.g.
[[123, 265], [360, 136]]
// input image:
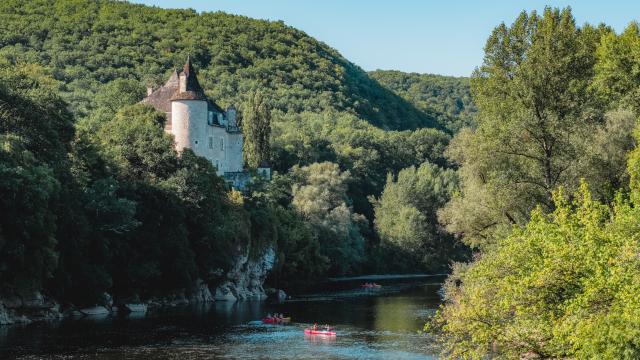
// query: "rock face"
[[281, 295], [200, 293], [27, 308], [94, 311], [244, 280], [136, 307]]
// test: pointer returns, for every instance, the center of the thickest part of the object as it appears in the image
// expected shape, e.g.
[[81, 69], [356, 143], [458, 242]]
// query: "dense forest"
[[101, 203], [87, 44], [449, 96], [525, 176], [548, 197]]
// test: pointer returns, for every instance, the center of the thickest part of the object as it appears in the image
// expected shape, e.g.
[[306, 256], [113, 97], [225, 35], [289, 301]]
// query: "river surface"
[[370, 324]]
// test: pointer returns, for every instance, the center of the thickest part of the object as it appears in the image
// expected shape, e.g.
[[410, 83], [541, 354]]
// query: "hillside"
[[88, 43], [447, 96]]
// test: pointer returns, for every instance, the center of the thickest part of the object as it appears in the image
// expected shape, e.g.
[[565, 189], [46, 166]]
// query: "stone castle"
[[197, 123]]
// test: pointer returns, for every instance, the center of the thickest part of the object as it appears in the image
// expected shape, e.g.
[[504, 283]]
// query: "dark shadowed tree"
[[256, 127]]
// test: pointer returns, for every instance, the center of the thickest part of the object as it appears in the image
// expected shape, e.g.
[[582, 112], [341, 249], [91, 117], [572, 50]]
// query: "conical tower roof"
[[193, 90]]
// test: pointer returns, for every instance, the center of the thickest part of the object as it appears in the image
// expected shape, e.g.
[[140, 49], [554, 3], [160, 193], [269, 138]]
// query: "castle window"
[[210, 142], [217, 164], [196, 142], [210, 118], [222, 144]]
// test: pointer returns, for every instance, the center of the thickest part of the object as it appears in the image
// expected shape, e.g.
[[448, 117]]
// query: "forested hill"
[[447, 96], [88, 43]]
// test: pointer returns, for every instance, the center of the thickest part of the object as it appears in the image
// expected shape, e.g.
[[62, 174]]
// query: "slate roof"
[[193, 89]]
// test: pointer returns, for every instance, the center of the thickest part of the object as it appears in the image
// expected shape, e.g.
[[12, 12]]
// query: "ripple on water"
[[286, 342]]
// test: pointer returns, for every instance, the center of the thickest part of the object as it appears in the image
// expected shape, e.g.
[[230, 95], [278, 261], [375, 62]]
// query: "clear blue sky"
[[428, 36]]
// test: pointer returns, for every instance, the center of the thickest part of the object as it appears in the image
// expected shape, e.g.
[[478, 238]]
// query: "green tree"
[[28, 193], [215, 224], [406, 215], [256, 128], [300, 261], [446, 98], [604, 164], [617, 69], [319, 195], [563, 286], [136, 144], [534, 115]]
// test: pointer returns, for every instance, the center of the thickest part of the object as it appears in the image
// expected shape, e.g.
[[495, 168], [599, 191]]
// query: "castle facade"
[[198, 123]]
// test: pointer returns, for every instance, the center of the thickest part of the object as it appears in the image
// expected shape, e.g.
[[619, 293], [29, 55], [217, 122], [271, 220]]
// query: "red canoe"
[[319, 332]]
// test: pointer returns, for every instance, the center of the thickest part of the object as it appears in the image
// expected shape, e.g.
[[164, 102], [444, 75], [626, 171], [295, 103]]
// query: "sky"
[[427, 36]]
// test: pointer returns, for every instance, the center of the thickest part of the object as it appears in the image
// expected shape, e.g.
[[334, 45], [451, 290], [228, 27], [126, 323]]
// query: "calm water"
[[371, 325]]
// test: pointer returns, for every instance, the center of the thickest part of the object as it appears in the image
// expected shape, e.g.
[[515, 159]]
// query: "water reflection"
[[319, 339], [368, 327]]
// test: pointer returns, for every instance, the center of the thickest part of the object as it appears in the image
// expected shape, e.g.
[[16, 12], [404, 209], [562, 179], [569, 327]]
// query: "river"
[[370, 324]]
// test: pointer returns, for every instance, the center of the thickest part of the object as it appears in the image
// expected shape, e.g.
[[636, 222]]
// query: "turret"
[[189, 110]]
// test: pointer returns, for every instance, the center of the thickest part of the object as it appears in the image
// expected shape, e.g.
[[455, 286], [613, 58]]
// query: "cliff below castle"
[[244, 281]]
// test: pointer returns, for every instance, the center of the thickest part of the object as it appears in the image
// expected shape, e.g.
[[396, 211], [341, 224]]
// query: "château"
[[199, 124]]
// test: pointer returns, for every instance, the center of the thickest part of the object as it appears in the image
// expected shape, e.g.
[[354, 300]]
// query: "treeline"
[[89, 43], [548, 197], [448, 98], [373, 158]]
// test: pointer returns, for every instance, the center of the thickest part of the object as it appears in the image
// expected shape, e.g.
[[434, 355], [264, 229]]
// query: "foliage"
[[604, 164], [552, 287], [135, 144], [447, 98], [256, 129], [617, 70], [89, 44], [534, 115], [320, 195], [299, 261], [367, 152], [216, 224], [405, 216], [557, 274], [28, 192]]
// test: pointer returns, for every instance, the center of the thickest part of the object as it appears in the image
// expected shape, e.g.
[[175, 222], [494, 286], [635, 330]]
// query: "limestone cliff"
[[245, 279]]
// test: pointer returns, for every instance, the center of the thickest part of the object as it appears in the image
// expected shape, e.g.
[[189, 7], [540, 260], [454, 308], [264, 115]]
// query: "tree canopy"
[[549, 197], [88, 44]]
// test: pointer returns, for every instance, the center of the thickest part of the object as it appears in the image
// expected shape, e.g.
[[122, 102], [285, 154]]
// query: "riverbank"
[[244, 281], [378, 326]]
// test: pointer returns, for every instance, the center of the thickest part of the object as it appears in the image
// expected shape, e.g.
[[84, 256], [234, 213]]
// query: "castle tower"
[[188, 105]]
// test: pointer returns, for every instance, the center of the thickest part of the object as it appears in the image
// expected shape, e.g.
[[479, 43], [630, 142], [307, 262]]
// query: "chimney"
[[149, 90]]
